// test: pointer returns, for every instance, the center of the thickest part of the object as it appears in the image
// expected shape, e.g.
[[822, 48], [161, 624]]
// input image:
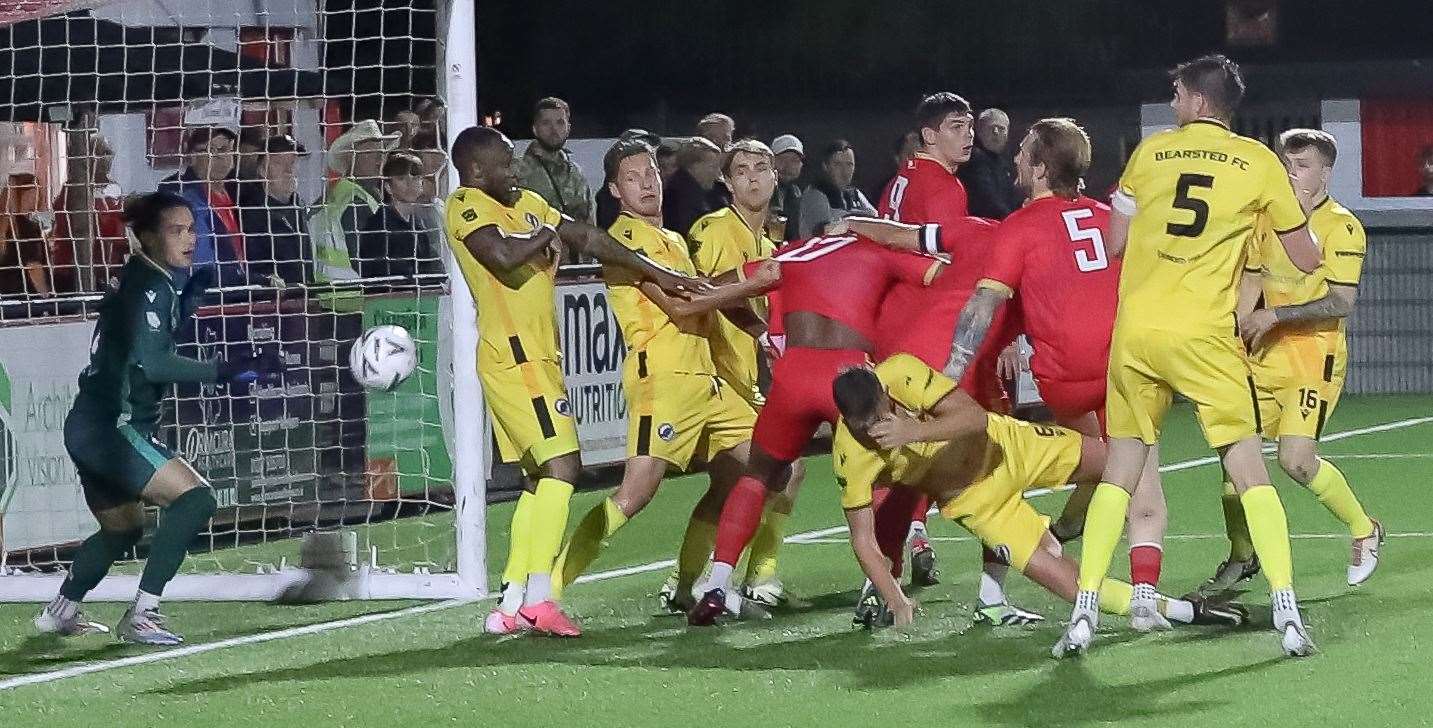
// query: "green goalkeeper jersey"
[[132, 352]]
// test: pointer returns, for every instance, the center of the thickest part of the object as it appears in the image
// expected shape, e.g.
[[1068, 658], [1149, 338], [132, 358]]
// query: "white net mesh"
[[308, 137]]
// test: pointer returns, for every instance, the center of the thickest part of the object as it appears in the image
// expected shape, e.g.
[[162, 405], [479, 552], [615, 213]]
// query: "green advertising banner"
[[405, 430]]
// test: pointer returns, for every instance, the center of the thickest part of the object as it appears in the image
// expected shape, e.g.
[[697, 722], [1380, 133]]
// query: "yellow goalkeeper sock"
[[602, 521], [1269, 530], [1332, 490], [549, 523], [519, 540], [1115, 596], [1240, 547], [696, 549], [1104, 522], [761, 559]]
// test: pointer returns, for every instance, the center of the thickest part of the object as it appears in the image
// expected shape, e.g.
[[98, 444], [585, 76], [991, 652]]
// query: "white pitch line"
[[816, 536], [1175, 537]]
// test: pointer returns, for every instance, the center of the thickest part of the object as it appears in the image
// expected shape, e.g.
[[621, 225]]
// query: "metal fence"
[[1391, 330]]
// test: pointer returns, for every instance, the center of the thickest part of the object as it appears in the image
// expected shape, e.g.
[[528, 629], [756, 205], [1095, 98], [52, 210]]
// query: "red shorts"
[[800, 398], [1068, 400]]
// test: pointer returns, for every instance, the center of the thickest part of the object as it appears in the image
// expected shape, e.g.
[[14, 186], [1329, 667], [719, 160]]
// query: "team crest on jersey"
[[666, 431], [150, 295], [532, 220], [562, 407]]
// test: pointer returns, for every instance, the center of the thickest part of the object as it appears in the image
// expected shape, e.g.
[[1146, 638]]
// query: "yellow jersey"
[[1342, 243], [655, 342], [1194, 194], [517, 318], [720, 242], [914, 387]]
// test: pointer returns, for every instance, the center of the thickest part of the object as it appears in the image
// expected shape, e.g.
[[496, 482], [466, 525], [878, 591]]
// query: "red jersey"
[[845, 278], [923, 191], [1052, 251]]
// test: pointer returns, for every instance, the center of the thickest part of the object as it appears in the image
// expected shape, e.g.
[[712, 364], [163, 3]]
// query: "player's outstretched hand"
[[1255, 327], [903, 613], [1009, 363], [893, 431], [250, 366], [766, 273], [675, 284]]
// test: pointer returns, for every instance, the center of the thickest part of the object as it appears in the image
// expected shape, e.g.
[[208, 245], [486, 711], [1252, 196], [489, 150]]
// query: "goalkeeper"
[[111, 431]]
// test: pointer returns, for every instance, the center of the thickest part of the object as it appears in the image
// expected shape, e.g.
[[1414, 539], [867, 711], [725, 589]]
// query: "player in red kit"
[[925, 190], [830, 291]]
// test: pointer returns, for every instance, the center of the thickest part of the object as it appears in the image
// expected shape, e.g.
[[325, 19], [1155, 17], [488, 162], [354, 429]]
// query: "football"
[[383, 357]]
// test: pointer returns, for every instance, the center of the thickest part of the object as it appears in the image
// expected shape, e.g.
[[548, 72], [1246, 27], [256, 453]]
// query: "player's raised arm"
[[1118, 233], [596, 242], [953, 416], [892, 234], [501, 252], [761, 278]]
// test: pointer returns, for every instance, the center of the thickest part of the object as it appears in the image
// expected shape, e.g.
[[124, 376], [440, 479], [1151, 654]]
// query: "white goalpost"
[[325, 490]]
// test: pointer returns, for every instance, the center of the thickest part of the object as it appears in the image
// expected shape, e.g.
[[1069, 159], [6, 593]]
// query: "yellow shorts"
[[1299, 379], [1148, 366], [532, 418], [1021, 456], [676, 417]]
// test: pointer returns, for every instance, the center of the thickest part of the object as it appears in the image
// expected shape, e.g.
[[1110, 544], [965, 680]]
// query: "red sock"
[[920, 511], [1144, 563], [893, 522], [740, 516]]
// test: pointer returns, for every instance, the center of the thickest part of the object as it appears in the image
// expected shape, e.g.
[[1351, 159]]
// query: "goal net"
[[309, 136]]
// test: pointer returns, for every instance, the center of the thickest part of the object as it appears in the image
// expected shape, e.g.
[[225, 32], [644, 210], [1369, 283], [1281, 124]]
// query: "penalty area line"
[[90, 668]]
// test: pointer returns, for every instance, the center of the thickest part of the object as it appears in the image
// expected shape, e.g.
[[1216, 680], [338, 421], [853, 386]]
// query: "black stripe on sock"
[[1328, 367], [642, 364], [544, 419], [1254, 399], [518, 354], [644, 435]]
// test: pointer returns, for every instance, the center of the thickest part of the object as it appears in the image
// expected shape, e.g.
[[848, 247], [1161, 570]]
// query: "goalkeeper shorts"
[[115, 462]]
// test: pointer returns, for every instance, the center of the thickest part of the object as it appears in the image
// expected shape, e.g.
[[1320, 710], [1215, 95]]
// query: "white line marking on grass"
[[817, 536], [1175, 537]]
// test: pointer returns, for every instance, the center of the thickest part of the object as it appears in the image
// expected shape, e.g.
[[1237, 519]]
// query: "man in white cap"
[[357, 157], [786, 201]]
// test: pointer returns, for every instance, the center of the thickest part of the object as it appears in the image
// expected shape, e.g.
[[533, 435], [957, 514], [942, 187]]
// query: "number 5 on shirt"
[[1094, 258]]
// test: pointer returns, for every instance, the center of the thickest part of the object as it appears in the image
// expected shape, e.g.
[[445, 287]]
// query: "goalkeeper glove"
[[248, 367]]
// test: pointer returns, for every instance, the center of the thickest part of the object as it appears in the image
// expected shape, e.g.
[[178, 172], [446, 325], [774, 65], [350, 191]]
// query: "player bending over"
[[111, 431], [906, 424], [1300, 355], [506, 242], [677, 407]]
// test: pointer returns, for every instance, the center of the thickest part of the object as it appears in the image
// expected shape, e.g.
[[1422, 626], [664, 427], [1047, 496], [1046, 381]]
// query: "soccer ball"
[[383, 357]]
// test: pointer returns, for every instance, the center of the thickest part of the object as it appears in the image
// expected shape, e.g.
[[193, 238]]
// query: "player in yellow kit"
[[506, 242], [1300, 355], [721, 242], [678, 409], [908, 425], [1186, 205]]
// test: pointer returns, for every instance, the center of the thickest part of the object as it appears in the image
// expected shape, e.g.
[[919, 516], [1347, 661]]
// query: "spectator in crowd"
[[274, 219], [397, 240], [432, 117], [666, 160], [1425, 171], [89, 245], [989, 176], [717, 128], [208, 162], [24, 267], [406, 123], [903, 149], [357, 158], [435, 168], [833, 197], [786, 200], [606, 205], [251, 150], [694, 191], [546, 167]]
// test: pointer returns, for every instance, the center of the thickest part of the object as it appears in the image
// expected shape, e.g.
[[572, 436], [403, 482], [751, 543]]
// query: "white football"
[[383, 357]]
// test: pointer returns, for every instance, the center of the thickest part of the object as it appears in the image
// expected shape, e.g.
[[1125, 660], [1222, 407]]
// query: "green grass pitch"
[[809, 667]]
